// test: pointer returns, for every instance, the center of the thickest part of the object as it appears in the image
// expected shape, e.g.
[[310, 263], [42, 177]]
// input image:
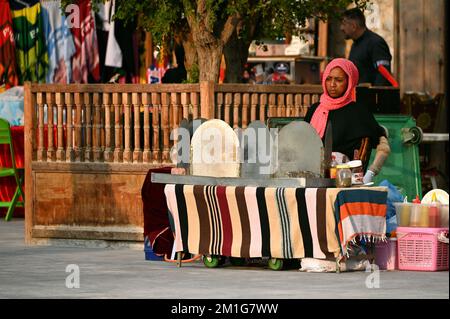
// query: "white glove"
[[368, 178]]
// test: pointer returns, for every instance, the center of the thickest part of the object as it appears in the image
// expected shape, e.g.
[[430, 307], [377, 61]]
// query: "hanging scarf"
[[327, 103]]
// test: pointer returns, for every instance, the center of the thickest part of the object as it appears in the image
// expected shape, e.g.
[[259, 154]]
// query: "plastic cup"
[[403, 212], [414, 218], [424, 215]]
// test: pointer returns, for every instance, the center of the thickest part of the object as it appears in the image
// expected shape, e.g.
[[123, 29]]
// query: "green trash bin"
[[402, 167]]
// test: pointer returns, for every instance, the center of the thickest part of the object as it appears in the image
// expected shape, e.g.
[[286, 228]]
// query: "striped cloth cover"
[[360, 212], [254, 221]]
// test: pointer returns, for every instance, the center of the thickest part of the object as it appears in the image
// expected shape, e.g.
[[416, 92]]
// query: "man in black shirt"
[[369, 52]]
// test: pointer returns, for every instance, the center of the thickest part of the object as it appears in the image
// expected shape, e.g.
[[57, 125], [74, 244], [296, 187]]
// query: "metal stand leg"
[[179, 254], [338, 268]]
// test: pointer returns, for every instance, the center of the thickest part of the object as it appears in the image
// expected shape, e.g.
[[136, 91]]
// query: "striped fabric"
[[254, 221], [360, 212]]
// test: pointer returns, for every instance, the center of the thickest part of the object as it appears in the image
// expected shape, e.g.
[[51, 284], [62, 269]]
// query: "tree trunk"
[[209, 36], [209, 62], [236, 49], [236, 55], [190, 52], [336, 40]]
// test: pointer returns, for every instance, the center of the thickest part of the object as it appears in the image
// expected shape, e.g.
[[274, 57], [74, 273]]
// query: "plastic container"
[[386, 254], [357, 172], [343, 176], [333, 168], [402, 166], [403, 212], [433, 215], [419, 215], [419, 249]]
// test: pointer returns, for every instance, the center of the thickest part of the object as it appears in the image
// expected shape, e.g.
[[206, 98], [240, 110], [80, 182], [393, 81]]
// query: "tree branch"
[[229, 27], [190, 14]]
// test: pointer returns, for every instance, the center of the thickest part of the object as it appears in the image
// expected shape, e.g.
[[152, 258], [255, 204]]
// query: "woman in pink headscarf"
[[354, 128]]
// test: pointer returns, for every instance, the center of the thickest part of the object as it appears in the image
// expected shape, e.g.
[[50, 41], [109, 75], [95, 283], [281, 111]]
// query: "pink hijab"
[[327, 103]]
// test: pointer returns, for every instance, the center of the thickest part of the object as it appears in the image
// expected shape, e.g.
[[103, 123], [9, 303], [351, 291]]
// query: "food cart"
[[283, 209]]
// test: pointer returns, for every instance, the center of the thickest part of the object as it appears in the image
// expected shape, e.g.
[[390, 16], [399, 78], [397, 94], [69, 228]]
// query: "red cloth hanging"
[[8, 69], [86, 59]]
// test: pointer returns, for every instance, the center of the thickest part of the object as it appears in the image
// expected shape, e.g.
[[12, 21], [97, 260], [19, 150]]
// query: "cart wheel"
[[275, 263], [418, 134], [412, 135], [236, 261], [211, 261]]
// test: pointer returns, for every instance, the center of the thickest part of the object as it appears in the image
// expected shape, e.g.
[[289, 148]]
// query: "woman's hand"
[[368, 178]]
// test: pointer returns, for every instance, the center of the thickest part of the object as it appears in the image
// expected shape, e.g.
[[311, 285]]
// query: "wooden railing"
[[240, 104], [107, 122], [131, 123], [89, 147]]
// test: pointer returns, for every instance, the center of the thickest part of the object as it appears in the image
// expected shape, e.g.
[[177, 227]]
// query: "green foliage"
[[289, 16], [163, 18], [160, 17], [256, 19]]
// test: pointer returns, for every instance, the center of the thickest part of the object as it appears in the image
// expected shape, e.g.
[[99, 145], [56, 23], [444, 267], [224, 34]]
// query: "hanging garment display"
[[85, 62], [123, 33], [60, 46], [8, 71], [113, 53], [31, 51], [110, 55]]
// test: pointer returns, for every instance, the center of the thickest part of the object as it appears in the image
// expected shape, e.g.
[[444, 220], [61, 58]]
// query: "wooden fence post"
[[207, 99], [29, 134]]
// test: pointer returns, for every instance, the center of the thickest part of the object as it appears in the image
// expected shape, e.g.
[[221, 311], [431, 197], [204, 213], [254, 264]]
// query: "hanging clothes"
[[109, 50], [85, 62], [31, 51], [60, 46], [124, 36], [113, 53], [8, 70]]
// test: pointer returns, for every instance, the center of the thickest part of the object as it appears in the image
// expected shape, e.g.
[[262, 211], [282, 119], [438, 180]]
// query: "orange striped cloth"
[[360, 212]]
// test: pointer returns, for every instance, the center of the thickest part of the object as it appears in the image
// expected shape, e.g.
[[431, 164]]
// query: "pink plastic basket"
[[419, 249]]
